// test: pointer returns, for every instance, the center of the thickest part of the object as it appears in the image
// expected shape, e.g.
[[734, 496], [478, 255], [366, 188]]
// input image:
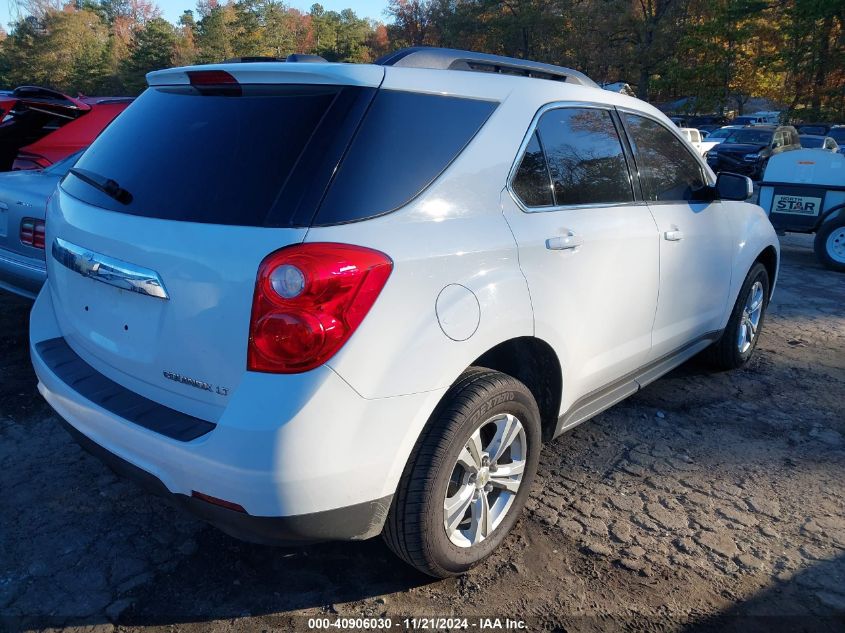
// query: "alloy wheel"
[[750, 320], [485, 480]]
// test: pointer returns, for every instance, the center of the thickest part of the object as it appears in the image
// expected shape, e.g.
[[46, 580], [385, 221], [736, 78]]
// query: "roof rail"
[[453, 59]]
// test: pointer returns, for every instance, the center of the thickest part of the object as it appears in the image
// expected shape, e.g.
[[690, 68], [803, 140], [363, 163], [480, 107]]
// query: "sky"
[[172, 9]]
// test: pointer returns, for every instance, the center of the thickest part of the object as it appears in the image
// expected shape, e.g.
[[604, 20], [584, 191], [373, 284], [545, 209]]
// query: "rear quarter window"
[[405, 142]]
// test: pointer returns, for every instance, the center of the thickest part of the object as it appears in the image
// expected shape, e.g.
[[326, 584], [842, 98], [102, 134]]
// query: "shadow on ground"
[[783, 607]]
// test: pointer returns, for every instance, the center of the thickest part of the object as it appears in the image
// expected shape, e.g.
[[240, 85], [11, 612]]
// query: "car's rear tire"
[[829, 244], [436, 521], [737, 343]]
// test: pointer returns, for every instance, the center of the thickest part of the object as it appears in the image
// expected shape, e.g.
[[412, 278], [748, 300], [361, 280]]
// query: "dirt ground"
[[709, 501]]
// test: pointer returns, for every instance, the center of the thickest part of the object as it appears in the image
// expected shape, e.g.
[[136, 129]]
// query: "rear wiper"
[[108, 186]]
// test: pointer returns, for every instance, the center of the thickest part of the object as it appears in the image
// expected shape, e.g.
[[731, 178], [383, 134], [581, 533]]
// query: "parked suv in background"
[[323, 301], [748, 150]]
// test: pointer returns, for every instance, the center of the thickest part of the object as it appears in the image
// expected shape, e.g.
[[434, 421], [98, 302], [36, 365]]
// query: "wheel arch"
[[769, 258], [533, 362]]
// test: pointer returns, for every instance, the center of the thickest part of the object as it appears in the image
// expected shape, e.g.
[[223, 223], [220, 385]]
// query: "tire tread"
[[403, 530]]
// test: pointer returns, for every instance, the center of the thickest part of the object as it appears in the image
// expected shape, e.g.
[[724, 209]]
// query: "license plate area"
[[118, 326]]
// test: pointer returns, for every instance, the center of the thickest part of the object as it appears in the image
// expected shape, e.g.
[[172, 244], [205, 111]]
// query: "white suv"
[[314, 301]]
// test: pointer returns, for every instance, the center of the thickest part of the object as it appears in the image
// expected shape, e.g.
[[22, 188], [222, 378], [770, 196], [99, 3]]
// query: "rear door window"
[[532, 183], [585, 157], [668, 170]]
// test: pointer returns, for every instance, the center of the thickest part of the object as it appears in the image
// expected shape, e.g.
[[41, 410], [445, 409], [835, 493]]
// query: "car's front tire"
[[468, 477], [737, 343]]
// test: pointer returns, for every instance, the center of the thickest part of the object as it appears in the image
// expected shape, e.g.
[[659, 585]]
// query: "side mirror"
[[733, 187]]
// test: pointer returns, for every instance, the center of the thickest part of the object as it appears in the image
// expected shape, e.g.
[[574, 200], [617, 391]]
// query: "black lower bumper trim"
[[350, 523], [106, 393]]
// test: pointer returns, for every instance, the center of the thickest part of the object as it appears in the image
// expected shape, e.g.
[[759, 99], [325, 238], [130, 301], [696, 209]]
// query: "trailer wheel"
[[830, 244]]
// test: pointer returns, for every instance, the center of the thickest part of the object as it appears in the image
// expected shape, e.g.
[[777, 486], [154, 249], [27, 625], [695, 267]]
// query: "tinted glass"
[[531, 182], [752, 137], [585, 157], [405, 141], [216, 157], [668, 171], [815, 130]]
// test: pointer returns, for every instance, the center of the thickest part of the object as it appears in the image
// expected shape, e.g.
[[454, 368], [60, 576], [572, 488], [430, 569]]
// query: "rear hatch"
[[190, 188]]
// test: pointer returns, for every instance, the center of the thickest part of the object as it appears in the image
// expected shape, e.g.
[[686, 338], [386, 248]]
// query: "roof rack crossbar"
[[453, 59]]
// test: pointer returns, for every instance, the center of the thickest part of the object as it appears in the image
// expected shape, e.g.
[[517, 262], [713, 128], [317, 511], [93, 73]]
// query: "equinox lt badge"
[[193, 382]]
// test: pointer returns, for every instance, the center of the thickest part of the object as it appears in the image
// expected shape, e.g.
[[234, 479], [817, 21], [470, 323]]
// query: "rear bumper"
[[349, 523], [304, 455], [21, 275]]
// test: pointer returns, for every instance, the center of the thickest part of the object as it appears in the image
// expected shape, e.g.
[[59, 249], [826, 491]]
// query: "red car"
[[40, 126]]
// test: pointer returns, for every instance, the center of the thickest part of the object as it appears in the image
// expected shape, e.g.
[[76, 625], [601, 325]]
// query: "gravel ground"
[[709, 501]]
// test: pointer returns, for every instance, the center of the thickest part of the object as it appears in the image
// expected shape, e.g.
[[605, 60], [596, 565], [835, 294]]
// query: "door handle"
[[564, 242], [674, 234]]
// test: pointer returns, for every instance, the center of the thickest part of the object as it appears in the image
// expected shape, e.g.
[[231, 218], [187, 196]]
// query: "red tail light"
[[32, 232], [308, 301]]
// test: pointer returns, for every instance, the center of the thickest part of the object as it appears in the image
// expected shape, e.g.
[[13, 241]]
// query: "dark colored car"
[[40, 126], [747, 150]]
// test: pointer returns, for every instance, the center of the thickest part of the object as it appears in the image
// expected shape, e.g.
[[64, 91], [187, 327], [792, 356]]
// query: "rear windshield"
[[273, 155], [213, 158]]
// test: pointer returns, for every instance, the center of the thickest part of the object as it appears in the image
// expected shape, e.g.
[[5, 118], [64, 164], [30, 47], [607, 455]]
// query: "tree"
[[215, 33], [152, 48], [62, 50], [412, 21]]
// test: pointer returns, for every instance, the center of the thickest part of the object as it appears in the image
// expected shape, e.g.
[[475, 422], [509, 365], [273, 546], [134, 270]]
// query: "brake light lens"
[[217, 82], [309, 299], [32, 232]]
